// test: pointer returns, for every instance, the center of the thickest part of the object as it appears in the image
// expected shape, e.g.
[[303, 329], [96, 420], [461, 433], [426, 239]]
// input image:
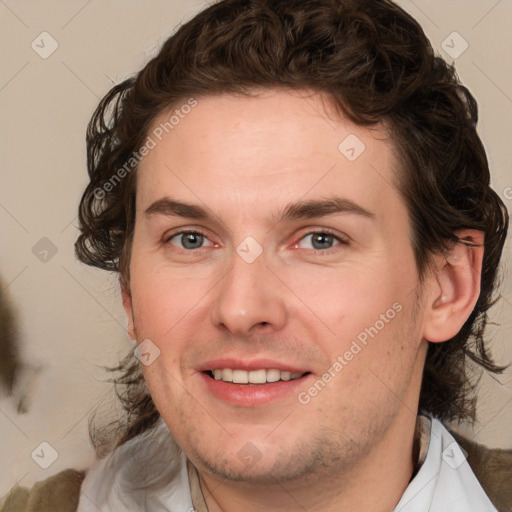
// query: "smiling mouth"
[[263, 376]]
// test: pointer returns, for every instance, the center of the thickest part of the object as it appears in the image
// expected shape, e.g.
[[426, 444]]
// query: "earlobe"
[[455, 287], [127, 306]]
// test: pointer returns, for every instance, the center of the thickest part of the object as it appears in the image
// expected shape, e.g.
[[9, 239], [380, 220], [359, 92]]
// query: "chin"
[[259, 473], [271, 464]]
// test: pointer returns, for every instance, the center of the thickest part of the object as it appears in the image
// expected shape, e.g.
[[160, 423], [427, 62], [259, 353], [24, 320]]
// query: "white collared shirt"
[[149, 474], [445, 481]]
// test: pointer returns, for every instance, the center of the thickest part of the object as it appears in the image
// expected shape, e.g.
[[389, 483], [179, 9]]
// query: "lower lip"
[[252, 395]]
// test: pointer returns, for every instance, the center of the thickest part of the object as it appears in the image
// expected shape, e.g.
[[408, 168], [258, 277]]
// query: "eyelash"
[[324, 231], [186, 232]]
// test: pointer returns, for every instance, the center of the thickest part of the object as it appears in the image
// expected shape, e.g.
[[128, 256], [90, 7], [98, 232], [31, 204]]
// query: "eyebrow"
[[294, 211], [321, 208], [171, 207]]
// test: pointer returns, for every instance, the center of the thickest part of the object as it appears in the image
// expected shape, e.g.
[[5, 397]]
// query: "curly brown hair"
[[377, 65]]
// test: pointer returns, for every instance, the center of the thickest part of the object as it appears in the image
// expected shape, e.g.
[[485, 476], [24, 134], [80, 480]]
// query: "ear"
[[128, 309], [455, 287]]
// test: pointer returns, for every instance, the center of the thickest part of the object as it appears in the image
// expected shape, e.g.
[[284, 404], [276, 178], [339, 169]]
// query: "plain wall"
[[70, 315]]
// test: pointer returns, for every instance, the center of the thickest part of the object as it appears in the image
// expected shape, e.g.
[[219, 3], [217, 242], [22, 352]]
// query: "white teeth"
[[253, 377], [240, 377], [258, 377], [273, 375]]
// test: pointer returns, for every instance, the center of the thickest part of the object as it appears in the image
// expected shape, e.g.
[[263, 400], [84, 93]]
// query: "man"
[[298, 204]]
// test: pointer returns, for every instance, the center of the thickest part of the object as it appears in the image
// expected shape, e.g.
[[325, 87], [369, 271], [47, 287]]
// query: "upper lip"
[[250, 365]]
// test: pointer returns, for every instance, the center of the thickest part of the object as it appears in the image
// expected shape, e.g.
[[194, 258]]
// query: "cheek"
[[352, 297], [367, 320], [162, 301]]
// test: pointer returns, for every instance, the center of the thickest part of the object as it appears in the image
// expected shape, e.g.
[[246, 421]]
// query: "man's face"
[[296, 258]]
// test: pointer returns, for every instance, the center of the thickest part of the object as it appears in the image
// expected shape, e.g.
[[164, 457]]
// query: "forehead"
[[265, 150]]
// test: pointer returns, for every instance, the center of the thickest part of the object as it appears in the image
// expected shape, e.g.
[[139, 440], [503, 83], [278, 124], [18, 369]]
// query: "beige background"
[[71, 320]]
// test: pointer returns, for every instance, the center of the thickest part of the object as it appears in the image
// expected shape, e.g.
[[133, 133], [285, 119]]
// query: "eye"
[[319, 241], [189, 240]]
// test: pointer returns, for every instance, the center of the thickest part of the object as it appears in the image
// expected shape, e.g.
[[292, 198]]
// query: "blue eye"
[[189, 240], [319, 241]]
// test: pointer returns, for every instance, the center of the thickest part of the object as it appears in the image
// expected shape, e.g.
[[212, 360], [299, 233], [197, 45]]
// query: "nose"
[[248, 298]]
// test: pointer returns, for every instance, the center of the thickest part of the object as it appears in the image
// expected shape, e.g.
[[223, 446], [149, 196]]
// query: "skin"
[[245, 159]]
